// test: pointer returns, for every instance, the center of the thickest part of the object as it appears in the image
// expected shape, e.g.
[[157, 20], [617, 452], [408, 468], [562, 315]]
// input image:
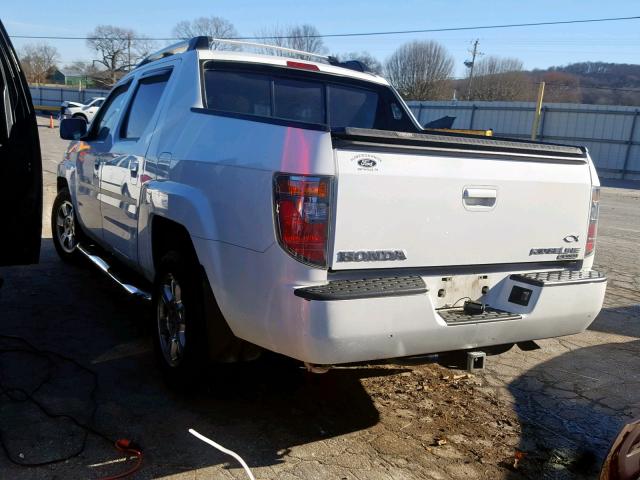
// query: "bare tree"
[[38, 61], [561, 87], [420, 70], [369, 61], [215, 27], [299, 37], [498, 78], [118, 49]]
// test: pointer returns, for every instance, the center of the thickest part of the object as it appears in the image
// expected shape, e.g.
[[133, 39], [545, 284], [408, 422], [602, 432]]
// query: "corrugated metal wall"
[[54, 96], [611, 133]]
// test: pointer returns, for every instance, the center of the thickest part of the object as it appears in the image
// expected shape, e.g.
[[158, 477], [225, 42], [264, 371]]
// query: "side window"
[[110, 114], [144, 104]]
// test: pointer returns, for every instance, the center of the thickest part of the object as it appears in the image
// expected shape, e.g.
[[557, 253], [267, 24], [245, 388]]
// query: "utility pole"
[[536, 115], [471, 64], [129, 52]]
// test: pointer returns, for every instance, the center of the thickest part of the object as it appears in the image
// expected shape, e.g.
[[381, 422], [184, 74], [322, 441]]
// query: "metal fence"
[[611, 133], [54, 96]]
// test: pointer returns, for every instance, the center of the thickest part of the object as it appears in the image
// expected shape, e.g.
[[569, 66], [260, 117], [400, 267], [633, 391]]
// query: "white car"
[[298, 206], [78, 110]]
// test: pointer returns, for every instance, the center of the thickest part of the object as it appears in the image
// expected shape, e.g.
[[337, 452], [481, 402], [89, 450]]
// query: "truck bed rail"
[[458, 142]]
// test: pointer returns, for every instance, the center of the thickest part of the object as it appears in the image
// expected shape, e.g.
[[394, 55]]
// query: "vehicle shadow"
[[619, 321], [572, 407], [260, 410]]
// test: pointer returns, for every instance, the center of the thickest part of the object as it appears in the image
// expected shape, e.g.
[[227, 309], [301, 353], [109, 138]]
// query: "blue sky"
[[538, 47]]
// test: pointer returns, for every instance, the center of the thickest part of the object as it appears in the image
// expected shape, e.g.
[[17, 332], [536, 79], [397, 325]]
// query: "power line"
[[615, 89], [358, 34]]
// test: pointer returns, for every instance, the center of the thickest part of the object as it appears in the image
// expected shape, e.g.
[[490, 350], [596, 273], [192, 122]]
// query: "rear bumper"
[[362, 329], [262, 296]]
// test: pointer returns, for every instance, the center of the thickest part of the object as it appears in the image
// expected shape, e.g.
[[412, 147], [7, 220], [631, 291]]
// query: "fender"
[[180, 203], [201, 214]]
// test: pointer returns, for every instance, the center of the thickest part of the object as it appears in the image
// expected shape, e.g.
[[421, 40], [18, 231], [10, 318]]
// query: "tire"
[[65, 229], [179, 318], [80, 115], [198, 332]]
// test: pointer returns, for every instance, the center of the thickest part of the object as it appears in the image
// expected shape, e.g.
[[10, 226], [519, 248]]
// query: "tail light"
[[302, 216], [592, 232]]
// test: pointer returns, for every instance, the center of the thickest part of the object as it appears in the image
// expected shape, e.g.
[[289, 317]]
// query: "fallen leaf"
[[518, 457]]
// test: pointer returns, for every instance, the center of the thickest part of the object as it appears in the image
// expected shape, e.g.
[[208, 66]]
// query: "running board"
[[106, 268]]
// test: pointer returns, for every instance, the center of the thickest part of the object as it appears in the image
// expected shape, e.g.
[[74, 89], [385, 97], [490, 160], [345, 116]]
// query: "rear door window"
[[145, 102]]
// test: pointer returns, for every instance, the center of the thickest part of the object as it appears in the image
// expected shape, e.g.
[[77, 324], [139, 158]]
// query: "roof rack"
[[204, 43], [195, 43]]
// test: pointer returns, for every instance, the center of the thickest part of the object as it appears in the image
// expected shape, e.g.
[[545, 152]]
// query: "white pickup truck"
[[299, 207], [79, 110]]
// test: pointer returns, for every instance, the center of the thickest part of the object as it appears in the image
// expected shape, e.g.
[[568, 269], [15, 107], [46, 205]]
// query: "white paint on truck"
[[331, 244]]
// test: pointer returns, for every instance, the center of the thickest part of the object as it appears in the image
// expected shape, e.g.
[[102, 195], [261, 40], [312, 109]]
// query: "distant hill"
[[592, 82]]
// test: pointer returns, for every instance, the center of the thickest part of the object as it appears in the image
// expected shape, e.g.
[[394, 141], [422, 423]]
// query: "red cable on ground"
[[127, 446]]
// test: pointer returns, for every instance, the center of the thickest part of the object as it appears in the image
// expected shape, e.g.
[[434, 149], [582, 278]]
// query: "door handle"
[[479, 198]]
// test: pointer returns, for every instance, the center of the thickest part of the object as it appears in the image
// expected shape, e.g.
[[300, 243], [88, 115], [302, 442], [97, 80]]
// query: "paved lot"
[[560, 405]]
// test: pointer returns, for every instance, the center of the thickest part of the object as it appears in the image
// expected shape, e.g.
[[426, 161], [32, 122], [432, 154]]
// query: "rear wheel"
[[64, 227], [190, 332]]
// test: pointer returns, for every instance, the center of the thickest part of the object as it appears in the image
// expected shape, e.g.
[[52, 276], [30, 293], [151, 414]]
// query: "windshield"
[[305, 97]]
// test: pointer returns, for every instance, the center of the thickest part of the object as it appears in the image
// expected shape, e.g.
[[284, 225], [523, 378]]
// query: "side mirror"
[[73, 128]]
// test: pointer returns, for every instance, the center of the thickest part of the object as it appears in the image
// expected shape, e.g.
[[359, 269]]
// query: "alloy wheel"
[[171, 321], [65, 227]]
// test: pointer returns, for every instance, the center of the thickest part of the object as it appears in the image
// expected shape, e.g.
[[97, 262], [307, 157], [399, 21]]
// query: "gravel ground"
[[550, 413]]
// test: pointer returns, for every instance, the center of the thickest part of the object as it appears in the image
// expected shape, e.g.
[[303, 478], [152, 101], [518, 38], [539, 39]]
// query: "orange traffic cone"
[[50, 121]]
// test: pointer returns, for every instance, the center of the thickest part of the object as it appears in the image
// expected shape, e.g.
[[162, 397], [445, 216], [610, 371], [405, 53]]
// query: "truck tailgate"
[[420, 203]]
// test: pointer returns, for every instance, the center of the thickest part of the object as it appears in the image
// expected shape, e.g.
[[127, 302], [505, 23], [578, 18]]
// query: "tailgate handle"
[[479, 198]]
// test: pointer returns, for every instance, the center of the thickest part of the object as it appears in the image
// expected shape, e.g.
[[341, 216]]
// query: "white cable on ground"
[[223, 450]]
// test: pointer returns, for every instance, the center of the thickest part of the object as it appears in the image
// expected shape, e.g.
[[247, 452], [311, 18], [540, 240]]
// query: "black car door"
[[20, 164]]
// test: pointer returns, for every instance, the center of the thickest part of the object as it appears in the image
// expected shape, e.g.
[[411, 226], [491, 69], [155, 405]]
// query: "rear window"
[[239, 92], [352, 107], [285, 95], [298, 100]]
